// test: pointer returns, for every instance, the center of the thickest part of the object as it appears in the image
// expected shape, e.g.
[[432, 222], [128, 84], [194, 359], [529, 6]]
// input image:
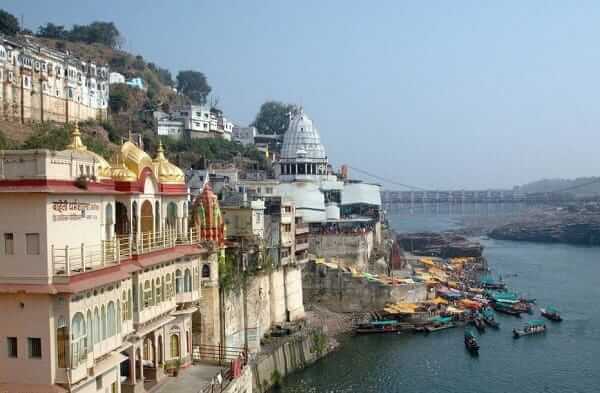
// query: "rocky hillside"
[[574, 225]]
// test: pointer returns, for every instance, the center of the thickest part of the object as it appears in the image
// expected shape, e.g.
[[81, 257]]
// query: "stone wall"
[[293, 354], [268, 298], [347, 249], [340, 291], [242, 384]]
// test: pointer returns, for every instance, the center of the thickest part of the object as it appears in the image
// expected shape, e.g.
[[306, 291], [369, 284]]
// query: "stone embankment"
[[560, 225]]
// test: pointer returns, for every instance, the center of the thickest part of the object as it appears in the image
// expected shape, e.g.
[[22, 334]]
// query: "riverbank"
[[578, 225], [557, 274]]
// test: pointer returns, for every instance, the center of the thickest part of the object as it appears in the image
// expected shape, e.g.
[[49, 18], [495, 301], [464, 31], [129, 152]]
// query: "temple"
[[106, 283]]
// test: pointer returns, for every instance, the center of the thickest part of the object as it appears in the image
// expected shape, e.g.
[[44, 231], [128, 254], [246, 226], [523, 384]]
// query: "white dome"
[[302, 140]]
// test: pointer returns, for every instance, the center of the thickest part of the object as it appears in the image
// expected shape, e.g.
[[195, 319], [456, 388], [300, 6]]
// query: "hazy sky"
[[454, 94]]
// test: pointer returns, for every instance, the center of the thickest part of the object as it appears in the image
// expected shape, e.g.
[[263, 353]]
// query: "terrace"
[[72, 260]]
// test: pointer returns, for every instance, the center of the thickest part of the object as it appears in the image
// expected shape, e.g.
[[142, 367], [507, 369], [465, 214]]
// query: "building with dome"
[[104, 283]]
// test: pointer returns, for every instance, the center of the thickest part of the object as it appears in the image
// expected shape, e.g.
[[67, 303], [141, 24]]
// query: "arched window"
[[103, 319], [148, 299], [172, 215], [174, 346], [97, 328], [119, 317], [188, 281], [168, 286], [178, 281], [129, 305], [124, 302], [206, 270], [90, 330], [158, 289], [78, 340], [111, 320]]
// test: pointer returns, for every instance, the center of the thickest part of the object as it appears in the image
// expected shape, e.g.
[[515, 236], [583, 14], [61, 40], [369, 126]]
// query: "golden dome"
[[134, 158], [165, 171], [120, 172], [103, 169]]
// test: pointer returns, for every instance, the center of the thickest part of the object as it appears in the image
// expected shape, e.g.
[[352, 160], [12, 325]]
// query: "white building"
[[244, 135], [115, 77], [202, 122]]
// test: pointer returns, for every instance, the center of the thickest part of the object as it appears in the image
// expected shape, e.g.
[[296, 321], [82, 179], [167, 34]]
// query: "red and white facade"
[[100, 272]]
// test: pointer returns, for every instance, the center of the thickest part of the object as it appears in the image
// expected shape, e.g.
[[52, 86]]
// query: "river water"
[[565, 359]]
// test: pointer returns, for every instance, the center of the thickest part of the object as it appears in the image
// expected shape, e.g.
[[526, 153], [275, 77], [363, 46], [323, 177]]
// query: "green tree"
[[194, 85], [165, 76], [9, 24], [273, 118], [105, 33], [118, 99], [4, 142], [50, 30]]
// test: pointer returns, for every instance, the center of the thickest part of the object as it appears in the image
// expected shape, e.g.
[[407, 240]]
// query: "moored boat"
[[471, 342], [489, 318], [531, 327], [551, 313], [384, 326], [506, 308], [439, 323]]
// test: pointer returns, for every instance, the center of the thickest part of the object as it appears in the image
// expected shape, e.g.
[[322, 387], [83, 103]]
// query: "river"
[[565, 359]]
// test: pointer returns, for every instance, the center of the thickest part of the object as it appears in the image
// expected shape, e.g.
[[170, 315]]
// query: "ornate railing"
[[72, 260]]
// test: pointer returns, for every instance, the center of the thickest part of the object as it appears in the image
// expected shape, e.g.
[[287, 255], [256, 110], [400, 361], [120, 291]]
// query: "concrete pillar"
[[132, 372]]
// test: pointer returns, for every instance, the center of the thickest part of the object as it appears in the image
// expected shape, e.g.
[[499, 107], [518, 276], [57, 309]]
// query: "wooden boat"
[[385, 326], [506, 309], [477, 321], [489, 318], [532, 327], [470, 342], [551, 313], [436, 328]]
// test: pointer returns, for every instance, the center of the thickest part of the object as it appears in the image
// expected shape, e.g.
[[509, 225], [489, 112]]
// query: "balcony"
[[73, 260], [301, 229], [301, 245]]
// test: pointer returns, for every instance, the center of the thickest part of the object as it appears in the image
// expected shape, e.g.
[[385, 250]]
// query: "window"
[[9, 245], [205, 271], [99, 382], [35, 347], [174, 346], [11, 346], [78, 340], [33, 243], [178, 281], [111, 320], [148, 295], [188, 281]]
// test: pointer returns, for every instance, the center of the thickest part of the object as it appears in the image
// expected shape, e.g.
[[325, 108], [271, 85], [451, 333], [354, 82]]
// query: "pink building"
[[100, 274]]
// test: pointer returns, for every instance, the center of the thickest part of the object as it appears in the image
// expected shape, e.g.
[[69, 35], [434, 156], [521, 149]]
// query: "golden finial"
[[76, 142], [160, 152]]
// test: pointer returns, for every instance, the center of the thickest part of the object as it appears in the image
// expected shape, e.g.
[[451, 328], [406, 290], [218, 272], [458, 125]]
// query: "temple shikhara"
[[105, 276]]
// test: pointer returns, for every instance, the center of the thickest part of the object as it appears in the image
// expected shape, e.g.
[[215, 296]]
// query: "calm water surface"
[[565, 359]]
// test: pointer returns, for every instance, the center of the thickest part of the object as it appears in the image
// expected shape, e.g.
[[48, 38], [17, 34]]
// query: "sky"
[[435, 94]]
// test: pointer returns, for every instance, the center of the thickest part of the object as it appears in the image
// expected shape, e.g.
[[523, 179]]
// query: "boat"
[[551, 313], [506, 308], [478, 322], [488, 282], [435, 328], [489, 318], [531, 327], [439, 323], [384, 326], [471, 342]]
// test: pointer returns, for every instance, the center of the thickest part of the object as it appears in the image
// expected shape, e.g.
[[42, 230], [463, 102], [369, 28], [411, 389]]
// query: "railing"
[[71, 260], [302, 228], [228, 356]]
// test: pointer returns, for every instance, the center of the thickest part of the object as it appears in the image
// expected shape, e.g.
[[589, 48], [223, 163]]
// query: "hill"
[[580, 186]]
